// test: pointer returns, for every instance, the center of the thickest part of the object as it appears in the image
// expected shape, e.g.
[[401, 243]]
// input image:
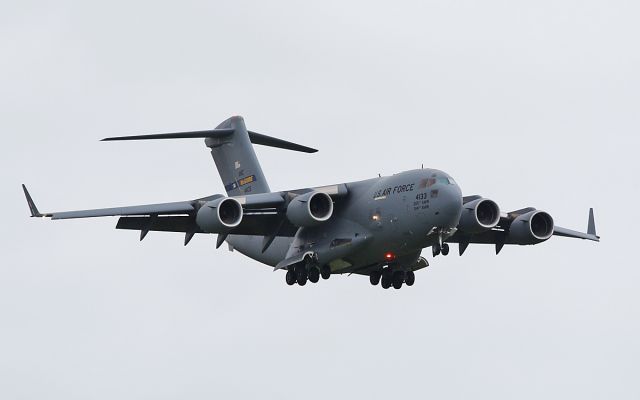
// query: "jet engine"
[[310, 209], [478, 216], [219, 215], [531, 228]]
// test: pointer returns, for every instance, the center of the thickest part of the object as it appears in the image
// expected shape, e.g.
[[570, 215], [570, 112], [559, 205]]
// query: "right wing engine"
[[219, 215]]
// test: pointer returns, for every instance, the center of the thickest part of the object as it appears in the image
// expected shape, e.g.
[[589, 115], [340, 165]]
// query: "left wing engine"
[[478, 216], [482, 222], [530, 228]]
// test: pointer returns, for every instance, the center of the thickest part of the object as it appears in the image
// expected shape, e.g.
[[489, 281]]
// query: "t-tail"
[[232, 151]]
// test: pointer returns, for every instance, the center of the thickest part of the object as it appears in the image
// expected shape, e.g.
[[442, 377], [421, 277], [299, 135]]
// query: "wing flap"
[[162, 224], [252, 224]]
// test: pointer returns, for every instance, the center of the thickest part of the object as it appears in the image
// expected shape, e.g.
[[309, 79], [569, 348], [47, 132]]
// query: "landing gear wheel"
[[445, 249], [325, 272], [314, 274], [301, 275], [387, 278], [398, 279], [435, 249], [291, 277], [374, 277], [410, 278]]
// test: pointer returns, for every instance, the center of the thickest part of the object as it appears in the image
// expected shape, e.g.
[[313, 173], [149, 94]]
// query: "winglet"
[[591, 227], [32, 206]]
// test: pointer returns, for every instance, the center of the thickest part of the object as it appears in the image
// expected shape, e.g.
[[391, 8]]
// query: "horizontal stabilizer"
[[256, 138], [176, 135], [264, 140]]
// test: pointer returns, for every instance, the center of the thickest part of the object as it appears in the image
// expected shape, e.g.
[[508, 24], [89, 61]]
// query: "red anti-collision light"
[[389, 256]]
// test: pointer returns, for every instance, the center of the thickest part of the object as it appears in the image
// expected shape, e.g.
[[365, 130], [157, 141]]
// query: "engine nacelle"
[[310, 209], [219, 215], [478, 216], [531, 228]]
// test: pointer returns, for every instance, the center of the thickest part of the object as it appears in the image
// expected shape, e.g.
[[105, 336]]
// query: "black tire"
[[301, 276], [410, 279], [374, 277], [445, 249], [398, 279], [385, 282], [314, 274], [435, 249], [290, 278], [325, 272]]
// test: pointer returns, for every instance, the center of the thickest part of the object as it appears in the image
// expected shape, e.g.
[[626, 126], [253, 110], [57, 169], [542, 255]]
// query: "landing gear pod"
[[531, 228], [219, 215], [310, 209]]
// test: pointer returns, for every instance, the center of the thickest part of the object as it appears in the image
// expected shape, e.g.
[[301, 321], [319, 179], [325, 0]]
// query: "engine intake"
[[219, 215], [479, 215], [531, 228], [310, 209]]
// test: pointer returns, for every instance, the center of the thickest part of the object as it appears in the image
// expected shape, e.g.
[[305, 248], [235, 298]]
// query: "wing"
[[263, 214], [591, 230], [499, 235], [180, 207]]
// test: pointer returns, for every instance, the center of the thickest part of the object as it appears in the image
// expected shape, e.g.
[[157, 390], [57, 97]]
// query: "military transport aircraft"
[[376, 227]]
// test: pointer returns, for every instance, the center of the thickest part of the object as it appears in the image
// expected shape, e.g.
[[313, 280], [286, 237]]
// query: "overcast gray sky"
[[528, 103]]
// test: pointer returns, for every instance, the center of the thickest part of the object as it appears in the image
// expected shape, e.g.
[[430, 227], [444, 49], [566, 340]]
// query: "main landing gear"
[[388, 278], [308, 271]]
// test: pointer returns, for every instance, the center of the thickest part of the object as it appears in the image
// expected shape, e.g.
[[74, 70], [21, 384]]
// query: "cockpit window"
[[446, 181], [425, 183]]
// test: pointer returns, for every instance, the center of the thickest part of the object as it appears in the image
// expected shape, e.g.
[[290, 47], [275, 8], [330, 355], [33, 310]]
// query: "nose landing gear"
[[438, 248]]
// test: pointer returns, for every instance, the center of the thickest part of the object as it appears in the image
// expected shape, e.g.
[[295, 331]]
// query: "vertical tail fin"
[[236, 160]]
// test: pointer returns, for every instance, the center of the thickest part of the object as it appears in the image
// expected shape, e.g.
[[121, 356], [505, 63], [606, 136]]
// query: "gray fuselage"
[[384, 220]]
